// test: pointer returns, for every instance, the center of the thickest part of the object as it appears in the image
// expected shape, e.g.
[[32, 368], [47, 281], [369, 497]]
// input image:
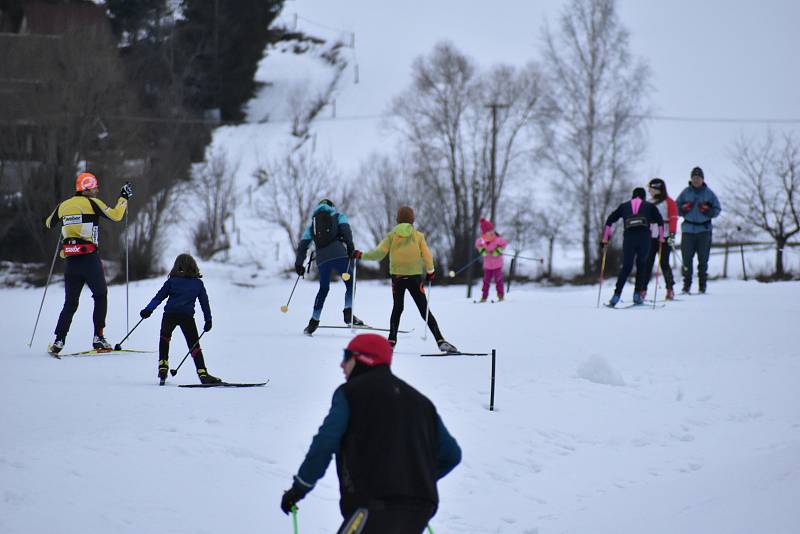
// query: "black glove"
[[300, 269], [671, 240], [430, 276], [292, 496], [350, 250], [207, 326], [603, 245], [127, 191], [145, 313]]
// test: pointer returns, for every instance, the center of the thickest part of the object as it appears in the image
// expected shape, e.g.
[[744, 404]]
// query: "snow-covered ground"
[[680, 419]]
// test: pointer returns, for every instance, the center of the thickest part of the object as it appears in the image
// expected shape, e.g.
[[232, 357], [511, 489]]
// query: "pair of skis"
[[365, 327], [629, 306], [226, 385], [459, 353], [94, 352]]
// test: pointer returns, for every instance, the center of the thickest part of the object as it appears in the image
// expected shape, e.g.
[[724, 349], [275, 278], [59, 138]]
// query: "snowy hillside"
[[680, 419]]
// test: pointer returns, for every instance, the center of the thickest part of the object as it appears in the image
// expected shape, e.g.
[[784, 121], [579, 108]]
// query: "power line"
[[742, 120], [372, 116]]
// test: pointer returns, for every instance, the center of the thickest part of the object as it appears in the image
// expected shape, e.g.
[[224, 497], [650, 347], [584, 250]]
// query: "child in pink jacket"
[[490, 245]]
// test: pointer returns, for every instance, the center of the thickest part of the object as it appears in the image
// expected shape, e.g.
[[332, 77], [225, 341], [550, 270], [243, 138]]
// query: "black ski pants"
[[388, 519], [691, 244], [414, 285], [635, 247], [666, 269], [79, 270], [168, 323]]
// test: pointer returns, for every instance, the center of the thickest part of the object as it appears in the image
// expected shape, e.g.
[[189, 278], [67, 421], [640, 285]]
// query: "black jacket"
[[636, 221], [395, 446]]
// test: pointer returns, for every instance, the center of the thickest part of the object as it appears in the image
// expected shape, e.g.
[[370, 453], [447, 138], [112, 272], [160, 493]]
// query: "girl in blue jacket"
[[181, 290]]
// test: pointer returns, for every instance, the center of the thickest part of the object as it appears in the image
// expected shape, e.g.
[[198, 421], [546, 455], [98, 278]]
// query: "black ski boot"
[[100, 344], [311, 328], [206, 378], [163, 367], [348, 314], [444, 346], [56, 347]]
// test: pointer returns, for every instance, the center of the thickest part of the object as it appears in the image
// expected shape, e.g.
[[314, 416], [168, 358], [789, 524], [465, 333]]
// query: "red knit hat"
[[370, 349], [486, 226]]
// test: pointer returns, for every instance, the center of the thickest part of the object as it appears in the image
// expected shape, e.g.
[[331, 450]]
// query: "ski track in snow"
[[682, 419]]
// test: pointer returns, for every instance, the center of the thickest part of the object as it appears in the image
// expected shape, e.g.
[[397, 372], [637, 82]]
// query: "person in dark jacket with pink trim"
[[637, 215]]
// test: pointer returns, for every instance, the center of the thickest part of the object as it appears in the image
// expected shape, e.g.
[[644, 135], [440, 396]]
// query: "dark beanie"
[[697, 171], [405, 215], [639, 192]]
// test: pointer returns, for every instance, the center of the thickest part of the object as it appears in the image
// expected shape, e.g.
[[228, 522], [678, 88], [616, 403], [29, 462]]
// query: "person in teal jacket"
[[697, 204]]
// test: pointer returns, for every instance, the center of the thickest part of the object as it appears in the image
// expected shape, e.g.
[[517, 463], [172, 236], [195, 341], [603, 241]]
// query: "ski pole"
[[430, 530], [453, 274], [346, 273], [294, 518], [540, 260], [658, 270], [285, 307], [118, 346], [46, 285], [427, 310], [353, 298], [602, 270], [174, 372], [127, 280]]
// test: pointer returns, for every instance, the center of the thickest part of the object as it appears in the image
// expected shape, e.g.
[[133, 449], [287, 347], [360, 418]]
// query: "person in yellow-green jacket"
[[80, 218], [408, 256]]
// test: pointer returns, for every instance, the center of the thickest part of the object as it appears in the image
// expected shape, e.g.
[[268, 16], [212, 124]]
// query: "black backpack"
[[324, 228]]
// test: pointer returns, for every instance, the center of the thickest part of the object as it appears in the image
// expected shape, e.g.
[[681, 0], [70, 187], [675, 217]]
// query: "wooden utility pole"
[[494, 106]]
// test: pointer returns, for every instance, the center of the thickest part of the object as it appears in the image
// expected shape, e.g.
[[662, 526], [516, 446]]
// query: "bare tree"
[[290, 188], [598, 132], [214, 190], [448, 131], [767, 191]]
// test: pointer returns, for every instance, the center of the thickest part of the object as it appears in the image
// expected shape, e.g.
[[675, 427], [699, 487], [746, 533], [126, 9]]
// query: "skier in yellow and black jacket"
[[80, 219]]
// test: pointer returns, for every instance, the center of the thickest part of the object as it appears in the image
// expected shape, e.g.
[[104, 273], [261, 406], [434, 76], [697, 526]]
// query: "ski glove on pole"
[[292, 496], [207, 326], [357, 254], [127, 191], [430, 276], [671, 240], [145, 313], [300, 269]]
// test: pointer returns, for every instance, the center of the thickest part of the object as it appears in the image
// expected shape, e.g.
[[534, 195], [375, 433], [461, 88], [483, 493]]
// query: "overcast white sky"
[[714, 58]]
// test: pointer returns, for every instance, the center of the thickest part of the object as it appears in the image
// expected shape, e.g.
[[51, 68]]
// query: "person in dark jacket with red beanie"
[[390, 445]]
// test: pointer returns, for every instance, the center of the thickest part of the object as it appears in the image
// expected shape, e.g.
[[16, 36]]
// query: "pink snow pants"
[[497, 276]]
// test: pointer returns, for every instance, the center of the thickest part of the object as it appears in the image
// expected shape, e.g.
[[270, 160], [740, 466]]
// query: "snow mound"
[[597, 369]]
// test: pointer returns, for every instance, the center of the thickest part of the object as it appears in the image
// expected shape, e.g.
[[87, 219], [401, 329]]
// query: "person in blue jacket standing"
[[182, 289], [697, 204], [391, 447], [333, 242]]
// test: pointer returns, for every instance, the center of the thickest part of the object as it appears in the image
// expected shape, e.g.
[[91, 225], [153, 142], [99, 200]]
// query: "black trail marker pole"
[[491, 391]]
